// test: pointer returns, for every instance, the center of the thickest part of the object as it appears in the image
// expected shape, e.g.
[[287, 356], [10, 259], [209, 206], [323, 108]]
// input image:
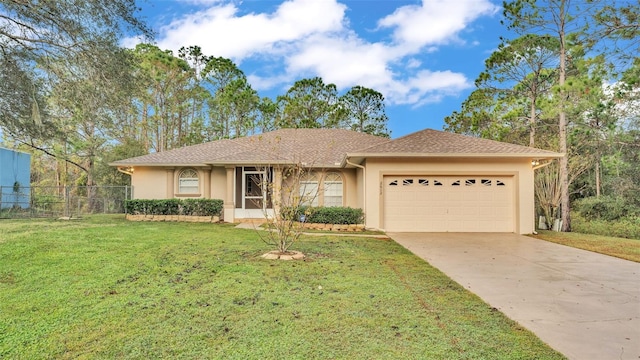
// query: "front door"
[[252, 191]]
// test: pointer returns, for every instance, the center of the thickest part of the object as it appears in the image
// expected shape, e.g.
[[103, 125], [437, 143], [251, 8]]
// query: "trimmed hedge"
[[192, 207], [202, 207], [330, 215]]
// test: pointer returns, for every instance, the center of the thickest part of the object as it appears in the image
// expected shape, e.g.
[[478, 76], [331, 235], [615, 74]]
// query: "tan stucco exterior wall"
[[149, 183], [350, 188], [162, 183], [218, 183], [520, 169]]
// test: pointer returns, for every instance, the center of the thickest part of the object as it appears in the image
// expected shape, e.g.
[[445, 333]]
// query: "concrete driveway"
[[583, 304]]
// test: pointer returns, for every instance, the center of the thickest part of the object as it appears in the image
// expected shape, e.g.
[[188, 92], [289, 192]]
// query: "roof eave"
[[249, 162], [119, 164], [223, 163], [457, 155]]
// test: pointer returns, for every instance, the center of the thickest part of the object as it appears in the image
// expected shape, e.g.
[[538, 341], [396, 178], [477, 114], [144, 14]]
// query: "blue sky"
[[423, 56]]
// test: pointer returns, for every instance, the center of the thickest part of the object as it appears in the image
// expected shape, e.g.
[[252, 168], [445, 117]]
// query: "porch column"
[[229, 203], [207, 183], [170, 183], [277, 190]]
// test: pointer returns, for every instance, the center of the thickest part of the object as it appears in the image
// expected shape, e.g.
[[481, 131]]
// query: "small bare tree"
[[547, 188], [290, 195]]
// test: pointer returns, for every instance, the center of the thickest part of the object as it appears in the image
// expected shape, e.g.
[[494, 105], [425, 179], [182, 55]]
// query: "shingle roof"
[[317, 147], [188, 155], [430, 142], [329, 147]]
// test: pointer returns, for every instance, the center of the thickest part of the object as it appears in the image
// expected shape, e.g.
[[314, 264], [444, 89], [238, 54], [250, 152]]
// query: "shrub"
[[135, 207], [197, 207], [164, 207], [331, 215], [627, 227], [202, 207], [605, 208]]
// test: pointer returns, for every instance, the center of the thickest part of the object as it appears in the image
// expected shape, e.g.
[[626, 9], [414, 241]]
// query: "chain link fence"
[[62, 201]]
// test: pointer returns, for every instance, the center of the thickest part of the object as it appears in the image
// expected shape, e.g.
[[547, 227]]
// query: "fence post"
[[32, 204], [67, 201]]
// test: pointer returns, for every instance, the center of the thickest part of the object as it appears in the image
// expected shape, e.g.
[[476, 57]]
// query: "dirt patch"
[[288, 255]]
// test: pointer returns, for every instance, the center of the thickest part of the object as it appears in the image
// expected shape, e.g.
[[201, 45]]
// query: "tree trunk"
[[91, 189], [562, 126], [145, 127], [532, 123], [598, 177]]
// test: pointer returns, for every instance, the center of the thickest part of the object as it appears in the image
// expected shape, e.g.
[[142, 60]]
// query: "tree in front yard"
[[289, 194]]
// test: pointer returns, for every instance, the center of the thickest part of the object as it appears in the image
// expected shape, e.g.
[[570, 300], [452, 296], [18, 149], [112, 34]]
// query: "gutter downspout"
[[364, 185], [125, 170], [542, 165]]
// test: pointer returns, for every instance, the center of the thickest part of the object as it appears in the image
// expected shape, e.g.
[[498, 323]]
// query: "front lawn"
[[628, 249], [106, 288]]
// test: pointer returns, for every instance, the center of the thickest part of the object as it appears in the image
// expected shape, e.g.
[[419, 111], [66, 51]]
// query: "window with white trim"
[[309, 190], [188, 182], [333, 189]]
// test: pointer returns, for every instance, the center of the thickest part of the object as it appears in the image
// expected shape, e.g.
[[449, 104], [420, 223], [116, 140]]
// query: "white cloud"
[[260, 83], [201, 2], [306, 38], [344, 61], [347, 62], [220, 31], [428, 86], [435, 21], [413, 63]]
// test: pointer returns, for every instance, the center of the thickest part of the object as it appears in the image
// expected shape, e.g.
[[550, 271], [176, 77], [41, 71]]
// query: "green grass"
[[628, 249], [106, 288]]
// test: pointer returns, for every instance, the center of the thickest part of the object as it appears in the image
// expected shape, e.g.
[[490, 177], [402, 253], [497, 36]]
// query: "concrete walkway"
[[583, 304]]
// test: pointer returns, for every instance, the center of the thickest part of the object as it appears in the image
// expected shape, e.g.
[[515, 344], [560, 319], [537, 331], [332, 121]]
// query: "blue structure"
[[15, 178]]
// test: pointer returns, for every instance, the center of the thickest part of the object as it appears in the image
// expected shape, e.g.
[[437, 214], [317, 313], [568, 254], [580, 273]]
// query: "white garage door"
[[449, 203]]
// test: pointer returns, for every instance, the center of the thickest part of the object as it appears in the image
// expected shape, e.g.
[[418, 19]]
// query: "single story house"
[[15, 178], [427, 181]]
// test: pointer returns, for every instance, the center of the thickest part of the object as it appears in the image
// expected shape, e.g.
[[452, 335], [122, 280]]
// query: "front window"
[[188, 182], [309, 190], [333, 189]]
